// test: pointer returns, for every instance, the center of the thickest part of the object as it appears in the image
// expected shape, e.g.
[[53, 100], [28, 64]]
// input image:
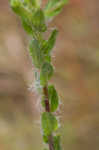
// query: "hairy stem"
[[47, 109]]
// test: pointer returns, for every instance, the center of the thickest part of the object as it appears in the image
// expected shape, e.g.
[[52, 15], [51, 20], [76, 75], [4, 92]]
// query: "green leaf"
[[55, 12], [53, 98], [30, 2], [19, 8], [48, 46], [49, 123], [57, 145], [46, 73], [45, 138], [35, 3], [27, 27], [52, 39], [39, 20], [35, 17], [16, 5], [51, 3], [36, 53], [48, 58], [54, 7]]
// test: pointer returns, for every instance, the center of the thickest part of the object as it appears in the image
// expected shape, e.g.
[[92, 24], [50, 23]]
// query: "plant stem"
[[47, 109], [47, 106]]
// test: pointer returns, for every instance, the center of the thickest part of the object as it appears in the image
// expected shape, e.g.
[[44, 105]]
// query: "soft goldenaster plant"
[[34, 19]]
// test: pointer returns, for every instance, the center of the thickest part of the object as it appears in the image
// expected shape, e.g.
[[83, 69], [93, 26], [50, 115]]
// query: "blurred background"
[[76, 60]]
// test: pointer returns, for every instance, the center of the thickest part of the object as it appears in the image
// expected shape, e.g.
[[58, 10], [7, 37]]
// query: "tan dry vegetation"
[[76, 59]]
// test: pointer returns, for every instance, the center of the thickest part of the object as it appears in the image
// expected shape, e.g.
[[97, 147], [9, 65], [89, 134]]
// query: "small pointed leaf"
[[57, 145], [45, 138], [54, 7], [36, 53], [52, 39], [46, 73], [35, 17], [51, 3], [30, 2], [39, 20], [27, 27], [21, 10], [49, 123], [49, 44], [53, 98]]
